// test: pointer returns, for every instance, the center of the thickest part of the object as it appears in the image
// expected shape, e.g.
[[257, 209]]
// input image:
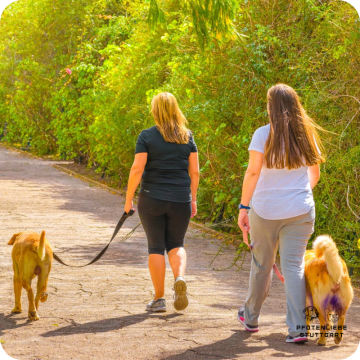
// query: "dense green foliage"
[[76, 78]]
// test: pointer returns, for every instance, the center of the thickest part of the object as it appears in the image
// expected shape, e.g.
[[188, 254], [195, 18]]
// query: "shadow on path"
[[8, 323], [106, 325], [236, 345]]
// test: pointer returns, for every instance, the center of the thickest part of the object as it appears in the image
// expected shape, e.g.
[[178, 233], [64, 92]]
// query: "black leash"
[[118, 227]]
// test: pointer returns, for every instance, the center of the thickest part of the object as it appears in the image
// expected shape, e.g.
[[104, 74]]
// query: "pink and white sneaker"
[[296, 339], [241, 317]]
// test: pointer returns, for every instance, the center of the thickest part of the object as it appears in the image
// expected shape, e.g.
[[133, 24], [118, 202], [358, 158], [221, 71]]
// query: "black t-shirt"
[[166, 175]]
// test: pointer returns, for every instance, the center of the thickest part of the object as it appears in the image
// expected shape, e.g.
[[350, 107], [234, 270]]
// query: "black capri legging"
[[165, 223]]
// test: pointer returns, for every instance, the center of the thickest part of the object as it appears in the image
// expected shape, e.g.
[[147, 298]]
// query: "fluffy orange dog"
[[328, 288], [32, 256]]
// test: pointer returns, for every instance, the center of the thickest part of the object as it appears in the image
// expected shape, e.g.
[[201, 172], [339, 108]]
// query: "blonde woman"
[[166, 159], [283, 169]]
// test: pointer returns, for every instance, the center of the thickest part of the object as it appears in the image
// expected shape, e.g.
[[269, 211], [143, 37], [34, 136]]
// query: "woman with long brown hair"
[[166, 160], [282, 171]]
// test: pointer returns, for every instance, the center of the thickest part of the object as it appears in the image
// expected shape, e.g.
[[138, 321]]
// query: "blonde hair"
[[293, 140], [169, 119]]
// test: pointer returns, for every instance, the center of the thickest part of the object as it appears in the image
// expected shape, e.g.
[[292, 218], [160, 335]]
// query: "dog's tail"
[[13, 239], [41, 247], [325, 245]]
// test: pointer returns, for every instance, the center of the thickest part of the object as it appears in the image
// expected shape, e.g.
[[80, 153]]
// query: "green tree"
[[77, 77]]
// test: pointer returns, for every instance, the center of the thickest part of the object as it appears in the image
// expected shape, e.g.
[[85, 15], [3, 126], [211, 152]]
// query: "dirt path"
[[98, 312]]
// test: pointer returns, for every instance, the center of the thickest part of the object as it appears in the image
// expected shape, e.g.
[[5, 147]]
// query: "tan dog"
[[328, 288], [32, 256]]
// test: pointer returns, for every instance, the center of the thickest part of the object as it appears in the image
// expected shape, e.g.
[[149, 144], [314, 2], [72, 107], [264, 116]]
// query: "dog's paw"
[[321, 342], [33, 316], [337, 339], [43, 296], [16, 310]]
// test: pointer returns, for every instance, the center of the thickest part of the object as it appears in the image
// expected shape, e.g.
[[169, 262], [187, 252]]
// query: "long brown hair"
[[293, 140], [169, 119]]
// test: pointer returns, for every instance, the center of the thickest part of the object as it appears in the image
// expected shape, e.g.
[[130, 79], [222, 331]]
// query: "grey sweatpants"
[[291, 235]]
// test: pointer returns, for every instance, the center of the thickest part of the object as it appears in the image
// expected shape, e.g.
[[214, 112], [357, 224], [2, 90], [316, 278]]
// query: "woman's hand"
[[128, 205], [244, 224], [193, 208], [243, 220]]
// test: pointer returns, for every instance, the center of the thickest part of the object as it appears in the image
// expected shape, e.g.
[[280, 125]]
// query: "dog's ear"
[[13, 239]]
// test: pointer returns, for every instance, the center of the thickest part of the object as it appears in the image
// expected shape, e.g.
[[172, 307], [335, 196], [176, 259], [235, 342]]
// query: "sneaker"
[[181, 301], [158, 305], [296, 339], [241, 317]]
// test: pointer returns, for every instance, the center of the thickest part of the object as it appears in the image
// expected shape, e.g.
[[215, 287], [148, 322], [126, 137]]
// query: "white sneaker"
[[181, 301], [158, 305]]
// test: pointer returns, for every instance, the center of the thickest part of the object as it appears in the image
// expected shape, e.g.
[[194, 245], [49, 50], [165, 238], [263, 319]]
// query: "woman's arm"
[[251, 176], [314, 175], [249, 184], [136, 172], [194, 176]]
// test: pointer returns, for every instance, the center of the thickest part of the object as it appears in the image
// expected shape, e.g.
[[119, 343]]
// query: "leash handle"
[[117, 228], [275, 268]]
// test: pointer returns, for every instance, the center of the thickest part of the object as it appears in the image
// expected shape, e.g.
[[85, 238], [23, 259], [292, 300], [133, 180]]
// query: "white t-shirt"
[[280, 193]]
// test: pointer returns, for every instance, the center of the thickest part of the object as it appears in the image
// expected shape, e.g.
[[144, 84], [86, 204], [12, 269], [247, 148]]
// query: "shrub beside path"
[[97, 312]]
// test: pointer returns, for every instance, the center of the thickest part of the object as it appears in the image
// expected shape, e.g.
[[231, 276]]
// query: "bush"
[[80, 83]]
